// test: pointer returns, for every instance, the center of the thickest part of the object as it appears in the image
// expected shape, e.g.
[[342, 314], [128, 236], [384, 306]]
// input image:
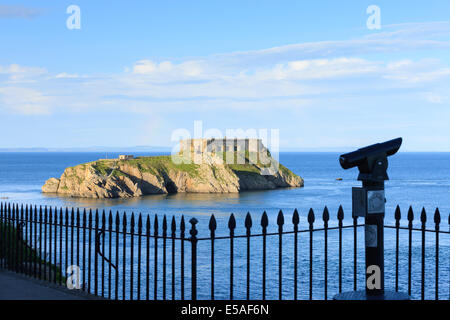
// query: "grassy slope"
[[16, 252], [159, 164]]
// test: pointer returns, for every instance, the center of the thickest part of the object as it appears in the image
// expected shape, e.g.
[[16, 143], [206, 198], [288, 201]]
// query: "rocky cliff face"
[[159, 175]]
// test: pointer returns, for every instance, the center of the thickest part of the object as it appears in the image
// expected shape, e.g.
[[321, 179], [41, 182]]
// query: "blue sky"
[[138, 70]]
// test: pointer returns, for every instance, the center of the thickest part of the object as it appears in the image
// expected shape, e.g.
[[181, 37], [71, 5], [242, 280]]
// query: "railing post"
[[124, 255], [423, 220], [44, 261], [97, 249], [264, 224], [155, 260], [116, 280], [61, 214], [410, 227], [139, 257], [248, 226], [355, 252], [78, 238], [110, 227], [40, 243], [193, 232], [437, 221], [27, 246], [2, 240], [311, 219], [340, 217], [1, 235], [174, 230], [182, 237], [326, 218], [132, 224], [147, 261], [231, 226], [280, 223], [50, 267], [398, 216], [89, 249], [164, 234], [84, 249], [295, 222], [103, 232], [212, 229]]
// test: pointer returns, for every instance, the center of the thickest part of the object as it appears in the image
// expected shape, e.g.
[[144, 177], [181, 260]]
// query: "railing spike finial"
[[132, 224], [423, 216], [212, 223], [248, 221], [398, 213], [326, 215], [295, 218], [164, 225], [264, 220], [280, 218], [232, 222], [311, 217], [410, 214], [173, 226], [340, 214], [140, 223], [182, 224], [117, 218], [155, 224], [437, 216], [147, 224]]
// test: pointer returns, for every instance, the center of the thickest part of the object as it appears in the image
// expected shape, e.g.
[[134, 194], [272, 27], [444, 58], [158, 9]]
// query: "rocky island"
[[129, 177]]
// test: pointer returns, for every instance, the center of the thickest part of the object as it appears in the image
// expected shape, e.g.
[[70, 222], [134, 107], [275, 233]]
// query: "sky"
[[135, 72]]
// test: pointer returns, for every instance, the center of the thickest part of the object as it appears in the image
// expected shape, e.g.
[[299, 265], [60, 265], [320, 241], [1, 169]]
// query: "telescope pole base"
[[361, 295]]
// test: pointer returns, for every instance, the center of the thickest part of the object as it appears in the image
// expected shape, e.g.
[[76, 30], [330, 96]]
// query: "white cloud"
[[65, 75], [167, 68], [19, 12], [288, 76], [18, 73], [24, 101]]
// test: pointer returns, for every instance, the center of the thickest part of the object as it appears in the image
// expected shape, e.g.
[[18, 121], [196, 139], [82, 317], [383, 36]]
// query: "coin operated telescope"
[[369, 202]]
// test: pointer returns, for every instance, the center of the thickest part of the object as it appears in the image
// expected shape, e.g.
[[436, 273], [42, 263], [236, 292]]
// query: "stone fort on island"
[[213, 146]]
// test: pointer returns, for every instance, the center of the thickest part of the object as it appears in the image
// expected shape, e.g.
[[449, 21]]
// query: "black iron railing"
[[135, 259]]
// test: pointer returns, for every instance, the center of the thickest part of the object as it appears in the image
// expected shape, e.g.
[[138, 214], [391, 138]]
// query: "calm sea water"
[[416, 179]]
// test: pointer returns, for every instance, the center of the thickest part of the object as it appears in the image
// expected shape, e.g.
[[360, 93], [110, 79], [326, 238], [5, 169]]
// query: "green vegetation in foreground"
[[18, 254]]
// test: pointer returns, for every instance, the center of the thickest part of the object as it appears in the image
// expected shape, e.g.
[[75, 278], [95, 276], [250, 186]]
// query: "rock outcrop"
[[160, 175]]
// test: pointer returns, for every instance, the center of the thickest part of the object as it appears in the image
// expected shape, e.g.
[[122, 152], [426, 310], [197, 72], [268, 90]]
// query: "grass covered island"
[[127, 178]]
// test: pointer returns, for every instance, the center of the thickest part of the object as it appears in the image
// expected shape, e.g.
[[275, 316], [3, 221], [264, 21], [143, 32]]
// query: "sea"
[[417, 180]]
